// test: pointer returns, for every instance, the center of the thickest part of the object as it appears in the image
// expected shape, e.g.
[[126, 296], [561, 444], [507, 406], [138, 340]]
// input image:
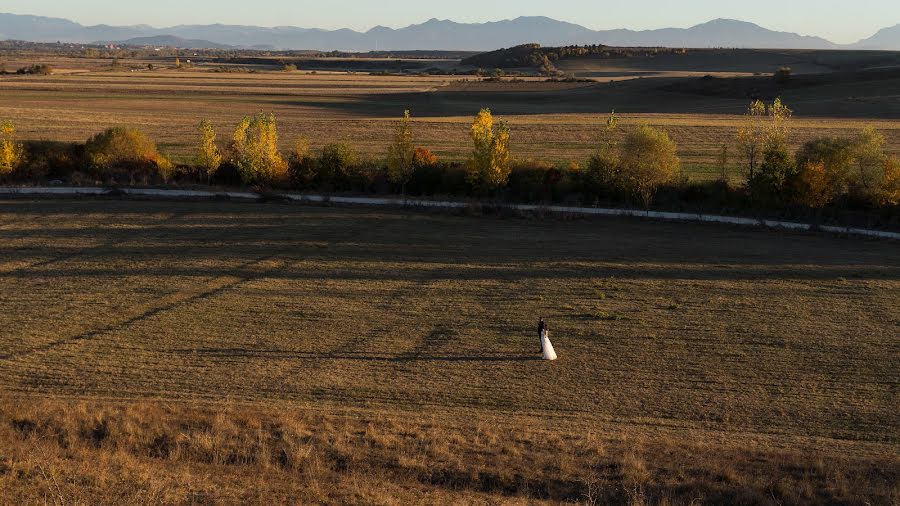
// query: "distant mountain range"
[[432, 35]]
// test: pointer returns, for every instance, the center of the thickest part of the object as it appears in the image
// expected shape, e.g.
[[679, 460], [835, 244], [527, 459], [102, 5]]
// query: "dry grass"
[[741, 364], [553, 121], [63, 452]]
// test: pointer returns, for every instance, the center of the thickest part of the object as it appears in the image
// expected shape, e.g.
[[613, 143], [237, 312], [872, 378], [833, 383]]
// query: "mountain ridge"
[[438, 34]]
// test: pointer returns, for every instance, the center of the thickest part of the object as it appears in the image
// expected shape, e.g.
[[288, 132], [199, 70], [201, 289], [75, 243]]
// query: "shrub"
[[122, 151], [255, 151], [648, 160], [51, 159], [423, 157], [489, 165], [290, 67], [12, 153], [209, 158], [532, 180]]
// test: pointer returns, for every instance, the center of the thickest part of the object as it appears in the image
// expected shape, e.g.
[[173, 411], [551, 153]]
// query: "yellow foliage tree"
[[648, 159], [812, 187], [11, 152], [889, 191], [489, 165], [868, 153], [401, 154], [764, 127], [779, 125], [255, 150], [751, 135], [209, 157]]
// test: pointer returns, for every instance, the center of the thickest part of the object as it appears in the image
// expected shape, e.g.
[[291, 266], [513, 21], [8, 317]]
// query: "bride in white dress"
[[549, 353]]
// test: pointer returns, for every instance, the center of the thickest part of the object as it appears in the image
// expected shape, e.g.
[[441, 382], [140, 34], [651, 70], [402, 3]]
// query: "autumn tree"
[[602, 169], [126, 152], [489, 165], [254, 147], [889, 189], [779, 123], [751, 135], [811, 185], [869, 161], [12, 153], [209, 157], [765, 127], [648, 160], [401, 154]]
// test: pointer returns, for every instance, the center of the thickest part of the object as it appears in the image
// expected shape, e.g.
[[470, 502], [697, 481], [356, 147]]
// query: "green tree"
[[336, 162], [401, 154], [209, 158], [255, 151], [489, 165], [648, 160], [12, 152], [771, 184]]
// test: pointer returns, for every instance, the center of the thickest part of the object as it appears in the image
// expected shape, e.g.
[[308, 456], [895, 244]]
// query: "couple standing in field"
[[546, 347]]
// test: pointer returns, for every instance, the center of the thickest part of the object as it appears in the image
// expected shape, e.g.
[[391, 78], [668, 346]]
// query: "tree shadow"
[[355, 356]]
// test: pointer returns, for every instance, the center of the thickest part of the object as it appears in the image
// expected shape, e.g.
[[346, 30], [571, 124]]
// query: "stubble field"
[[398, 351]]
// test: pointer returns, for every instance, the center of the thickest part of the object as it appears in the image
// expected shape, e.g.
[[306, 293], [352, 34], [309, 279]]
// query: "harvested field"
[[680, 344]]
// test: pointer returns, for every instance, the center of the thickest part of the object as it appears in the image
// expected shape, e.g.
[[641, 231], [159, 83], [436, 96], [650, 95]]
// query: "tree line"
[[638, 166]]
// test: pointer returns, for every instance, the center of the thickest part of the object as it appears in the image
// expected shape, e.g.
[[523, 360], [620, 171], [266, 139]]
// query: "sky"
[[839, 21]]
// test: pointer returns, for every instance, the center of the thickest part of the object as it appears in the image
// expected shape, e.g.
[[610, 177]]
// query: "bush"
[[423, 157], [648, 159], [51, 160], [532, 180], [123, 152]]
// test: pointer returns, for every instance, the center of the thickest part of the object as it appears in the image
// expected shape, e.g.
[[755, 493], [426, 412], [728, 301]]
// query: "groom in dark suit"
[[541, 328]]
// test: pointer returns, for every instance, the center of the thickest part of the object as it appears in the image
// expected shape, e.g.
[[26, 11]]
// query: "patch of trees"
[[36, 69], [544, 58], [637, 166]]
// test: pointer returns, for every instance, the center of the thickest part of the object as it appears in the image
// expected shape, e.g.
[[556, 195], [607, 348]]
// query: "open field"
[[550, 121], [398, 348]]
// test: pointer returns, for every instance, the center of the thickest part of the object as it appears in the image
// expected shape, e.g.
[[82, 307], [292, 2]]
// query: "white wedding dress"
[[549, 353]]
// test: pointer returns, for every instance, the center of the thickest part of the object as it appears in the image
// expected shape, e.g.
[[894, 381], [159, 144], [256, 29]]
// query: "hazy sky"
[[840, 21]]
